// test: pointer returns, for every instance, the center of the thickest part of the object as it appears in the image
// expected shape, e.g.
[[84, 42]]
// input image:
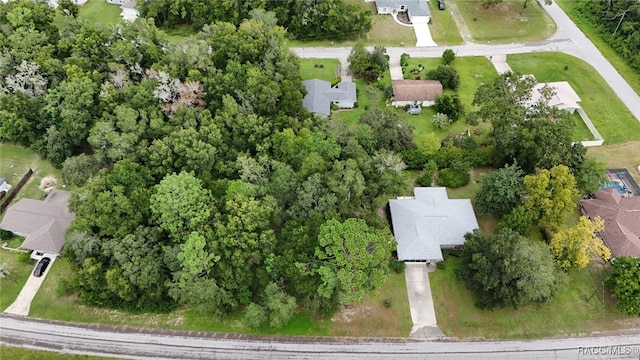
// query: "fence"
[[15, 190]]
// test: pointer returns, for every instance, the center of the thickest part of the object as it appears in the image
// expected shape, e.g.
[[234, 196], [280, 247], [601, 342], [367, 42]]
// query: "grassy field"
[[14, 353], [324, 69], [580, 131], [20, 272], [577, 309], [442, 27], [626, 155], [15, 161], [506, 22], [632, 77], [610, 116], [100, 12], [370, 319]]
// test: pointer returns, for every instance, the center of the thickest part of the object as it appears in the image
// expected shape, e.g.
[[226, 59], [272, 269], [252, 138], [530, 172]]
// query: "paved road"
[[568, 39], [136, 344]]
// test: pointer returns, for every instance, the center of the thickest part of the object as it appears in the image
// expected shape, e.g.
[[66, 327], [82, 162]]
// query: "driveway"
[[423, 314], [22, 304], [423, 34]]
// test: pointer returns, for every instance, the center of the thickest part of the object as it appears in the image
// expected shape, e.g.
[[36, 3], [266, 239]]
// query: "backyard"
[[506, 22]]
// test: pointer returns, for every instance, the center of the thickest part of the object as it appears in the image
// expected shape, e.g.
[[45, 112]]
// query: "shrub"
[[25, 257], [450, 106], [447, 75], [448, 56], [334, 107], [440, 265], [398, 266], [5, 235], [255, 316], [415, 159], [425, 180], [453, 178], [387, 303], [517, 220], [441, 121], [65, 287]]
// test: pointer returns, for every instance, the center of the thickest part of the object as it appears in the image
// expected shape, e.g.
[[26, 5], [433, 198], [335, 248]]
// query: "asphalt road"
[[138, 344], [567, 39]]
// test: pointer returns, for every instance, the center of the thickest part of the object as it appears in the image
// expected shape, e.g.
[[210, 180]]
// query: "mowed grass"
[[580, 131], [506, 22], [610, 116], [444, 30], [100, 12], [628, 73], [20, 272], [15, 161], [626, 155], [323, 69], [577, 309], [16, 353], [370, 319]]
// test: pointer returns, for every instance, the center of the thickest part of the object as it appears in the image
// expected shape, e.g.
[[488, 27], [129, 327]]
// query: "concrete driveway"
[[423, 34], [22, 304], [423, 314]]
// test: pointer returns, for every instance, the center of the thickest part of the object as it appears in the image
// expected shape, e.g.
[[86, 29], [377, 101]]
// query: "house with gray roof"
[[417, 10], [428, 222], [42, 222], [4, 185], [320, 96]]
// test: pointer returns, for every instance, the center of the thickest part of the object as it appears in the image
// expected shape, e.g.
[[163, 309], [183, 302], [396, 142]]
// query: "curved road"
[[567, 39], [139, 344]]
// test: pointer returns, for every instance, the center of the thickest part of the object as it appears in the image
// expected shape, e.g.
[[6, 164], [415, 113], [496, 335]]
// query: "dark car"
[[441, 4], [41, 267]]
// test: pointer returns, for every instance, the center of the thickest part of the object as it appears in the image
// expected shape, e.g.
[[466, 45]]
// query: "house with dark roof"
[[417, 10], [428, 222], [320, 96], [409, 92], [621, 216], [42, 222]]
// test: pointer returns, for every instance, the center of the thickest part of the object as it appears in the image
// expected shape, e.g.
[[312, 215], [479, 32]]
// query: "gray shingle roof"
[[43, 222], [414, 7], [320, 95], [425, 223]]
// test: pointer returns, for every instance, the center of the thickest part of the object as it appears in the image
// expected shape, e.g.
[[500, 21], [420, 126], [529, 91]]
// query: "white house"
[[417, 10]]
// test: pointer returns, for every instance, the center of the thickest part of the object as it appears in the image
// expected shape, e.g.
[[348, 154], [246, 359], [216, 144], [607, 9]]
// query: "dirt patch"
[[48, 183], [350, 313]]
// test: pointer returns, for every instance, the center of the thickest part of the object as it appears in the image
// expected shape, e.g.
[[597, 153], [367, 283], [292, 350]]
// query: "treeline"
[[303, 19], [618, 24], [202, 180]]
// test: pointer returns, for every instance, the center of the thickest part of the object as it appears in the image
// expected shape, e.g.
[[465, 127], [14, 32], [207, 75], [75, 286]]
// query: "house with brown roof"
[[422, 92], [42, 222], [621, 217]]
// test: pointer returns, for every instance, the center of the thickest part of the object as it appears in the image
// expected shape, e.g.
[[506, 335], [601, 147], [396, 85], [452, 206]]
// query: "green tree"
[[573, 248], [450, 106], [78, 169], [448, 56], [353, 258], [624, 282], [517, 220], [501, 191], [280, 306], [180, 205], [441, 121], [255, 316], [447, 75], [549, 196], [390, 132], [507, 269]]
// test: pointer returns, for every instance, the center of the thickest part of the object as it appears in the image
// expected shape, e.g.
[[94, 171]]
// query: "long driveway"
[[567, 39], [22, 304]]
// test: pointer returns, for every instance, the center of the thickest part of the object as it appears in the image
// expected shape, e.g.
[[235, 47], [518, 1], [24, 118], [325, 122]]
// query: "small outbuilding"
[[421, 92], [428, 222]]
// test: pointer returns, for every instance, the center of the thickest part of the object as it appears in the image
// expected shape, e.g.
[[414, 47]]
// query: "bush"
[[25, 257], [450, 106], [5, 235], [334, 107], [440, 265], [448, 56], [425, 180], [387, 303], [65, 287], [453, 178], [441, 121], [255, 316], [415, 159], [398, 266], [447, 75]]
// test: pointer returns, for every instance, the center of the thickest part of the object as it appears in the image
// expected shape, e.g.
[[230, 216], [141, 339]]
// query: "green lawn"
[[626, 155], [580, 131], [324, 69], [577, 309], [100, 12], [444, 30], [48, 304], [506, 22], [20, 272], [15, 353], [610, 116], [15, 161], [632, 77]]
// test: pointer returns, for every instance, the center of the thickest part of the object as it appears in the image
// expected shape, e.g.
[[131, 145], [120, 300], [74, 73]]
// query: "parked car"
[[414, 109], [441, 4], [41, 267]]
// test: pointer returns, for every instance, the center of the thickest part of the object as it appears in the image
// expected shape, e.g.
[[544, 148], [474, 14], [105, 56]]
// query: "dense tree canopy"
[[501, 191], [549, 196], [574, 247], [624, 283]]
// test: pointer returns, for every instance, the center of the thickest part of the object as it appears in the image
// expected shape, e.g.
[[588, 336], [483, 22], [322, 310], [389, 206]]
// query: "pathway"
[[500, 63], [463, 29], [423, 313], [22, 304]]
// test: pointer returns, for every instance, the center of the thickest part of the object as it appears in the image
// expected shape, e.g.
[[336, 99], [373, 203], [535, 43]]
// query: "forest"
[[200, 178]]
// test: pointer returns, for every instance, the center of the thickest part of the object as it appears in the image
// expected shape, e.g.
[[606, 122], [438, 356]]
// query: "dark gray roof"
[[320, 95], [428, 221], [43, 222]]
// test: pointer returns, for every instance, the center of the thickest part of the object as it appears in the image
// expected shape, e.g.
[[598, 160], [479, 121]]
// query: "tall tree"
[[352, 258], [574, 247], [624, 282], [501, 191], [507, 269], [549, 196]]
